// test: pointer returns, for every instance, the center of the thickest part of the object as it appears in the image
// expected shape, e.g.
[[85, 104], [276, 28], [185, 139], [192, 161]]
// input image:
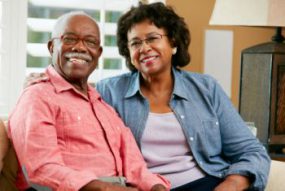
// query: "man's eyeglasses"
[[136, 44], [90, 42]]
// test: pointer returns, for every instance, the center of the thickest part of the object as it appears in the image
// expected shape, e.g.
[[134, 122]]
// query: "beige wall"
[[197, 14]]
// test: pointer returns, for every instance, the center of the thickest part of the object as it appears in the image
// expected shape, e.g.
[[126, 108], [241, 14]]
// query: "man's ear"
[[50, 46], [100, 50]]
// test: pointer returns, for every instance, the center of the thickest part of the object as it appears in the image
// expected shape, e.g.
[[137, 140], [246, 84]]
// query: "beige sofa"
[[8, 162], [276, 181], [4, 144]]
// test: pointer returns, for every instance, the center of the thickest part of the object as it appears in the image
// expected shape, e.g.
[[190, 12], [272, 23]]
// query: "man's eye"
[[91, 42], [69, 40]]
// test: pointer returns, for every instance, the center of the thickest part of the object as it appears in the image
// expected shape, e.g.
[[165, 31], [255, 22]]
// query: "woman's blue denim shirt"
[[219, 139]]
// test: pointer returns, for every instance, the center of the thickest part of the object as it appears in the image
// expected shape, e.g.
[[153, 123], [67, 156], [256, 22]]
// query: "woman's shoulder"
[[189, 77], [116, 81]]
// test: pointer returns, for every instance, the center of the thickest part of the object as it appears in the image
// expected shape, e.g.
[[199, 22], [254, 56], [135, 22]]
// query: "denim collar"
[[179, 86]]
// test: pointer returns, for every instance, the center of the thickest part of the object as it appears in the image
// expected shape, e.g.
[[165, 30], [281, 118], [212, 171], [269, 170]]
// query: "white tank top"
[[166, 151]]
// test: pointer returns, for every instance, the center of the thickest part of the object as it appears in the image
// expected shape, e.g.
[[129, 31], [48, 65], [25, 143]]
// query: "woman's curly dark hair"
[[163, 17]]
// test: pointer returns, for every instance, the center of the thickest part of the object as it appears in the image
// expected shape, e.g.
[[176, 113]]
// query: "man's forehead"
[[80, 22], [78, 19]]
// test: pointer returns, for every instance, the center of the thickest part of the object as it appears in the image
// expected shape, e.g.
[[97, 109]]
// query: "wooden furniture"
[[262, 93]]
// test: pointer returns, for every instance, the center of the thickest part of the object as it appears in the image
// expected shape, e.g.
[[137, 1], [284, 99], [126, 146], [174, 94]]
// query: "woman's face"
[[150, 49]]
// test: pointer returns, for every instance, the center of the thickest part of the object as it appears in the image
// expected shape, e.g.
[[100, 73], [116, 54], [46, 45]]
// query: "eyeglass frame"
[[97, 42], [147, 40]]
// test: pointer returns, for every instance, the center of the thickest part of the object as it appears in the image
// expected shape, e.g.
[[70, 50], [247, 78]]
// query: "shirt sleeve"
[[248, 157], [134, 166], [34, 136]]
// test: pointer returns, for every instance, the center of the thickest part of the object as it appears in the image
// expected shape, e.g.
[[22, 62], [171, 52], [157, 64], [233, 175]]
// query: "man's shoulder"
[[39, 89]]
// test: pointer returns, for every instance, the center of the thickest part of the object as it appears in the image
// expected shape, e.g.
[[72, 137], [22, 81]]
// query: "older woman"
[[184, 123]]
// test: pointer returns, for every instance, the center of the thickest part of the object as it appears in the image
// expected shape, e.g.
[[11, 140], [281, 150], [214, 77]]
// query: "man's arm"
[[35, 137], [135, 168], [33, 132], [97, 185]]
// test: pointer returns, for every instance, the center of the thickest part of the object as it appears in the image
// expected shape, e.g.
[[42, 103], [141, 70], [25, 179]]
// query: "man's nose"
[[80, 46]]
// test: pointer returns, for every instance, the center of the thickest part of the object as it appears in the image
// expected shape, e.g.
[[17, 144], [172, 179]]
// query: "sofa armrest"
[[276, 181], [4, 143]]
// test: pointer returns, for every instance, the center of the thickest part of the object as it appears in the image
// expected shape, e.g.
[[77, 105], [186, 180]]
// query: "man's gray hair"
[[61, 21]]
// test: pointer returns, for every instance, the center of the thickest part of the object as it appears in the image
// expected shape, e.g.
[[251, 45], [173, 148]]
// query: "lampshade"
[[249, 13]]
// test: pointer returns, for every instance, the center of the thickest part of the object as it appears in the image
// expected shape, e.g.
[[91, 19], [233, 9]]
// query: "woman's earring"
[[174, 50]]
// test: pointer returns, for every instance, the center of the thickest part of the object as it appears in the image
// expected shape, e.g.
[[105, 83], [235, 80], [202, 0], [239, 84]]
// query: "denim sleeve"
[[100, 87], [104, 91], [243, 150]]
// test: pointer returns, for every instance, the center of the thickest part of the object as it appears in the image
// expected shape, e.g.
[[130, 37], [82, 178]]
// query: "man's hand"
[[97, 185], [158, 187], [234, 183], [34, 78]]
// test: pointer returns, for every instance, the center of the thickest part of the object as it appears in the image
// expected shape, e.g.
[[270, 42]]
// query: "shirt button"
[[217, 123], [182, 116], [201, 163], [79, 118], [220, 175], [71, 185], [191, 138]]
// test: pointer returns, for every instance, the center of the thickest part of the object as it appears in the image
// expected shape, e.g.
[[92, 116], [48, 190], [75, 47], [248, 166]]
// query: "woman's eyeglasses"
[[136, 44]]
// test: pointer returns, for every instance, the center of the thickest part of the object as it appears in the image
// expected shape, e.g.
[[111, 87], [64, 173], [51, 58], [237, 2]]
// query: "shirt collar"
[[60, 84], [179, 87], [134, 86]]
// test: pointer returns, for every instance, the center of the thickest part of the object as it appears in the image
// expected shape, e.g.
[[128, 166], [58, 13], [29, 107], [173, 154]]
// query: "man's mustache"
[[83, 56]]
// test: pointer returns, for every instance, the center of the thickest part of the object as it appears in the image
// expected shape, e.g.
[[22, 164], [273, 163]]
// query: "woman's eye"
[[151, 39], [136, 43]]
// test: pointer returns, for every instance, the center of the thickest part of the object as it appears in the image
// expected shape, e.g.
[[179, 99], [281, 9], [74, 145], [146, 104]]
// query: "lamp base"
[[278, 37], [262, 92]]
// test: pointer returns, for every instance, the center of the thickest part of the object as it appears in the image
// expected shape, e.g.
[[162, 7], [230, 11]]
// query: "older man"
[[65, 136]]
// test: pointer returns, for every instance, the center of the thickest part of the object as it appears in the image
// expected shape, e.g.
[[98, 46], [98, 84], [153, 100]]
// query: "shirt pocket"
[[79, 133], [212, 136]]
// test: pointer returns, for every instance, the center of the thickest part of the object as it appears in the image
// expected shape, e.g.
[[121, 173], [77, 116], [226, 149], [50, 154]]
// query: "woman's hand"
[[34, 78], [234, 183]]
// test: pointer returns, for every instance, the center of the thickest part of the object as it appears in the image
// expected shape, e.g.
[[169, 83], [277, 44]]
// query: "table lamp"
[[262, 78]]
